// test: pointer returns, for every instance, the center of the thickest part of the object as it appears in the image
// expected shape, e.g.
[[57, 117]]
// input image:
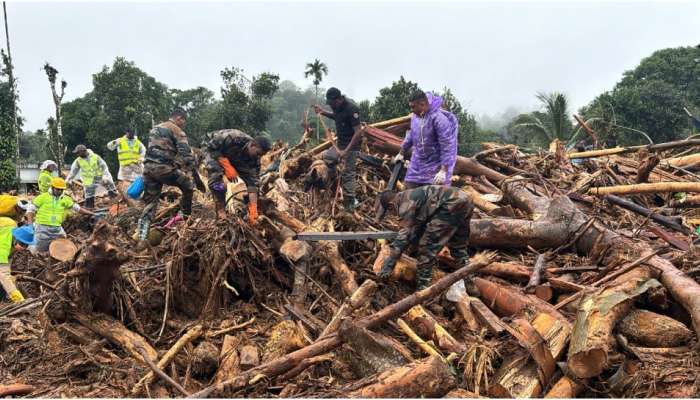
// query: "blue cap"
[[24, 234]]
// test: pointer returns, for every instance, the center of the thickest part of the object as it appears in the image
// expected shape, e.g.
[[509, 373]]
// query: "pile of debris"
[[574, 291]]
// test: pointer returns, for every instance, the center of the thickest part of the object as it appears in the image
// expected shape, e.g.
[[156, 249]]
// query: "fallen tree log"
[[289, 361], [657, 187], [685, 202], [369, 352], [647, 162], [426, 326], [16, 389], [683, 161], [565, 388], [229, 362], [361, 297], [116, 333], [632, 149], [668, 222], [429, 378], [654, 330]]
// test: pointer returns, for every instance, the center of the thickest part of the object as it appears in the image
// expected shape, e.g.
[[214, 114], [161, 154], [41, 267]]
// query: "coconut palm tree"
[[552, 122], [317, 69]]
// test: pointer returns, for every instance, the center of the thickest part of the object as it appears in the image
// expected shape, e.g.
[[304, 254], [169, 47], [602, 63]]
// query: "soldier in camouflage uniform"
[[232, 153], [432, 217], [167, 157]]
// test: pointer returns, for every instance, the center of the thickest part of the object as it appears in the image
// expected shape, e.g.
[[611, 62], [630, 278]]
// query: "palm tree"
[[551, 123], [317, 69]]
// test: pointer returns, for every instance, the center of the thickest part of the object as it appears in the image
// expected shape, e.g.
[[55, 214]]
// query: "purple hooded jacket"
[[435, 146]]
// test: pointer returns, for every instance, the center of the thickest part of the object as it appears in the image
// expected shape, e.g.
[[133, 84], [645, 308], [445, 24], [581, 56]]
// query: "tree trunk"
[[370, 352], [647, 163], [686, 202], [658, 218], [229, 362], [426, 326], [429, 378], [654, 330], [657, 187], [565, 388], [16, 389]]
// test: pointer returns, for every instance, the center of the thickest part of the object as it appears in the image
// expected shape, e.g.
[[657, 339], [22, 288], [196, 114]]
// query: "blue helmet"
[[24, 234]]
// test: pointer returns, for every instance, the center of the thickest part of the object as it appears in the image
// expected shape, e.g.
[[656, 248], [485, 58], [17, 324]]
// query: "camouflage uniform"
[[232, 144], [431, 216], [167, 148]]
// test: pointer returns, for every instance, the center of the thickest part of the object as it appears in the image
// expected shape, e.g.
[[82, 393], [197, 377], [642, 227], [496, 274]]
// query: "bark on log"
[[284, 364], [430, 378], [657, 187], [537, 271], [116, 333], [370, 352], [686, 202], [565, 388], [684, 161], [464, 308], [632, 149], [426, 326], [510, 271], [507, 301], [417, 340], [654, 330], [520, 376], [598, 313], [16, 389], [284, 338], [486, 317], [460, 393], [361, 297], [249, 357], [646, 165]]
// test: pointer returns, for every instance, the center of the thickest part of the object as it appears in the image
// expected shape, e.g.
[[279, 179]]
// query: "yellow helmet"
[[7, 222], [58, 183]]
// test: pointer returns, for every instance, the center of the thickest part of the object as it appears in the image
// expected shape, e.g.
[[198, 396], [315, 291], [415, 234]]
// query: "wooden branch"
[[661, 219], [632, 149], [16, 389], [422, 344], [658, 187], [537, 271], [160, 373], [361, 297]]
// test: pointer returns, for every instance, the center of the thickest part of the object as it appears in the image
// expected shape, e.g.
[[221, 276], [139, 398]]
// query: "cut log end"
[[588, 364]]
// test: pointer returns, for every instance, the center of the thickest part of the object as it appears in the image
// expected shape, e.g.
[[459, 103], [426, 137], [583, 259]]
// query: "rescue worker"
[[11, 238], [430, 216], [12, 206], [167, 143], [432, 140], [48, 170], [47, 211], [93, 171], [130, 153], [349, 131], [234, 154]]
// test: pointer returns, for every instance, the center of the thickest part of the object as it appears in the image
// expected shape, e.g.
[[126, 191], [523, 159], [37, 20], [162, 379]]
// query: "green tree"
[[33, 146], [392, 101], [246, 102], [201, 107], [317, 70], [9, 121], [647, 103], [542, 127], [290, 104]]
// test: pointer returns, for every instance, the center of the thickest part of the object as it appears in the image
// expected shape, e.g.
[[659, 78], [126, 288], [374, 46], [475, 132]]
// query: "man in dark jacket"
[[232, 153], [167, 158], [431, 216], [349, 131]]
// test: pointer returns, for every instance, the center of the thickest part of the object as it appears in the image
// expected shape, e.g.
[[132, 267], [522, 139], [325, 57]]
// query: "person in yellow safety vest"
[[22, 237], [93, 171], [131, 153], [49, 169], [50, 209]]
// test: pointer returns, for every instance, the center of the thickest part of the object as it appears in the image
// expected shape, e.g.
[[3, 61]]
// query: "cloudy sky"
[[493, 55]]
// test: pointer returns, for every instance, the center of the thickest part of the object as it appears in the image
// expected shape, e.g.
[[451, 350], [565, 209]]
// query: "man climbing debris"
[[130, 153], [433, 141], [50, 209], [48, 170], [233, 153], [93, 171], [10, 235], [349, 130], [168, 148], [431, 217]]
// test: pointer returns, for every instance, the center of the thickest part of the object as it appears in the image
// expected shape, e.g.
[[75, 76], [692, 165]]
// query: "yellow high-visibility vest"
[[89, 169], [126, 154], [51, 210]]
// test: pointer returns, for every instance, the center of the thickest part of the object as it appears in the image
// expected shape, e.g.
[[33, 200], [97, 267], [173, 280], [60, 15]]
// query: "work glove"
[[398, 158], [387, 268], [229, 170], [219, 187], [440, 177], [252, 213]]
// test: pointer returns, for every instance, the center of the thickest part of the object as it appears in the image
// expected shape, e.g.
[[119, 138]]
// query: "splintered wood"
[[582, 283]]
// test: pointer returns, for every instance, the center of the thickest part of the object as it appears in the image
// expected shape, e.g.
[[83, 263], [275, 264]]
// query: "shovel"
[[457, 294]]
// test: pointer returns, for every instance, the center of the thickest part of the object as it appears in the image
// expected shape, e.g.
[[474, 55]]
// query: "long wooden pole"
[[632, 149], [658, 187]]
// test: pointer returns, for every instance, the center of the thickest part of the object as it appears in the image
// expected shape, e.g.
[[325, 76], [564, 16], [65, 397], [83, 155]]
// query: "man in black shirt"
[[349, 131]]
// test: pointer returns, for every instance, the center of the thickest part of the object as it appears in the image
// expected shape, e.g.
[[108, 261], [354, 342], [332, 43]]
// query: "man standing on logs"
[[167, 148], [349, 130], [234, 154], [130, 152], [431, 216], [93, 171], [433, 141]]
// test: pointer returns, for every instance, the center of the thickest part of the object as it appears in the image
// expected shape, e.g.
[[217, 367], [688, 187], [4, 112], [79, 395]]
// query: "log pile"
[[582, 283]]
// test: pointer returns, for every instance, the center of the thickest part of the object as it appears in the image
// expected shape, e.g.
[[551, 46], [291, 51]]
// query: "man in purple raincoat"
[[433, 139]]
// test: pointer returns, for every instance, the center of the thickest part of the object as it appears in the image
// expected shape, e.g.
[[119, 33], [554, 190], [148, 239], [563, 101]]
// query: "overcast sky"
[[492, 55]]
